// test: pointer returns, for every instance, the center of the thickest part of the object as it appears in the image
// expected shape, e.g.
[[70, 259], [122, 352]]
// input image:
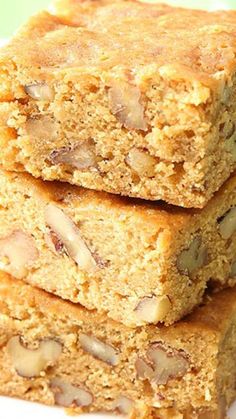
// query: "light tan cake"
[[126, 97], [137, 262], [56, 352]]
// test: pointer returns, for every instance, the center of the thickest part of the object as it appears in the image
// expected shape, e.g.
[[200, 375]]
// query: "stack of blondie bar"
[[118, 210]]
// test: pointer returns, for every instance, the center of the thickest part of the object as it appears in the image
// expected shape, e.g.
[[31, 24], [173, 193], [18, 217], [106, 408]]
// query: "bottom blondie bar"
[[56, 352]]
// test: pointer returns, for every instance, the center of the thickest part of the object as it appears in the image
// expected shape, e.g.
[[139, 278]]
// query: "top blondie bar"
[[132, 98]]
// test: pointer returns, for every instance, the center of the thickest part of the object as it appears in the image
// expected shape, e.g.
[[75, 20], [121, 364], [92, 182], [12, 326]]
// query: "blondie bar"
[[132, 98], [56, 352], [138, 262]]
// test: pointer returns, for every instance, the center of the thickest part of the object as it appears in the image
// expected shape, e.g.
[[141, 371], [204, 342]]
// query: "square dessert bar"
[[137, 262], [126, 97], [56, 352]]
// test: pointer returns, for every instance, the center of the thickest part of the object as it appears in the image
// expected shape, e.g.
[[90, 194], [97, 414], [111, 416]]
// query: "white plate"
[[17, 409]]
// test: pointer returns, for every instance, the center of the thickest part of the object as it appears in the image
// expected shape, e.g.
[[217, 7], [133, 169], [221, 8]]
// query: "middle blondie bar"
[[138, 262]]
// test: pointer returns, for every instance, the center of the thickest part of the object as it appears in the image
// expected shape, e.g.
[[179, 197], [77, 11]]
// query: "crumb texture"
[[57, 353], [148, 116], [138, 262]]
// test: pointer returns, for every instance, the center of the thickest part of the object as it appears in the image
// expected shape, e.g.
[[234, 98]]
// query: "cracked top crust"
[[178, 43]]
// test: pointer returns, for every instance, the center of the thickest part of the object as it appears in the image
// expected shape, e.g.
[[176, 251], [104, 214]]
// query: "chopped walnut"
[[141, 162], [31, 362], [227, 224], [42, 128], [144, 370], [124, 405], [193, 258], [153, 309], [233, 269], [82, 156], [54, 243], [230, 145], [125, 104], [99, 349], [17, 253], [227, 129], [69, 234], [162, 364], [67, 394], [39, 91]]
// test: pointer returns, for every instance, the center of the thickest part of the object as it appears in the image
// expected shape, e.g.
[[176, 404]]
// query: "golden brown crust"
[[191, 56]]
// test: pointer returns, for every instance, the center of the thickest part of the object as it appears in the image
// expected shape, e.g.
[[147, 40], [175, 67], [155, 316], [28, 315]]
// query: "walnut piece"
[[227, 129], [99, 349], [124, 101], [17, 253], [227, 224], [230, 145], [193, 258], [54, 243], [153, 309], [42, 128], [124, 405], [233, 269], [67, 394], [39, 91], [31, 362], [141, 162], [68, 233], [162, 364], [82, 156]]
